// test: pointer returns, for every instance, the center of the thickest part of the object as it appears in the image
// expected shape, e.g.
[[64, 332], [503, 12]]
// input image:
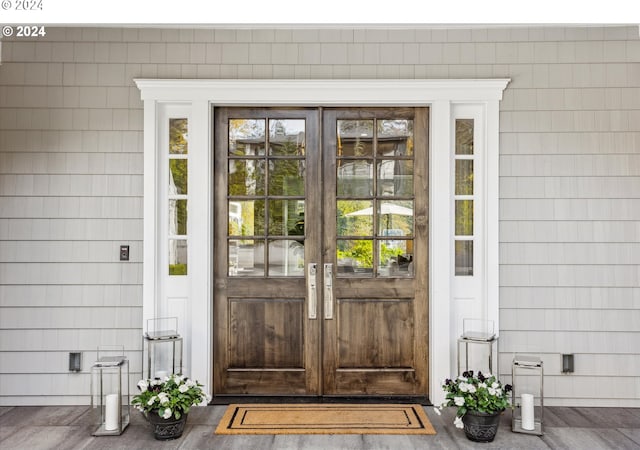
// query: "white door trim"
[[201, 95]]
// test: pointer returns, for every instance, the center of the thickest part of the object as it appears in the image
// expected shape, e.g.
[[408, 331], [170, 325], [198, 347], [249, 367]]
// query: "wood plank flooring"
[[69, 427]]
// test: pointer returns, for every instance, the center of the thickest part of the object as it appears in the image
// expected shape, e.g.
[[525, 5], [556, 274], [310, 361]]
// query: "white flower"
[[492, 391], [183, 388], [156, 382], [458, 422], [190, 383], [495, 385], [152, 400], [464, 387], [143, 385], [482, 385], [498, 392], [167, 413], [459, 401], [461, 378], [437, 411], [164, 398], [472, 389]]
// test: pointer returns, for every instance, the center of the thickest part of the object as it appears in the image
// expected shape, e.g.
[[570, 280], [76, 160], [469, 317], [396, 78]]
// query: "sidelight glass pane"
[[464, 257], [354, 218], [178, 137], [395, 137], [286, 176], [395, 258], [286, 218], [287, 137], [246, 218], [355, 257], [355, 178], [246, 257], [177, 257], [464, 177], [395, 218], [177, 217], [355, 138], [464, 136], [395, 178], [178, 177], [464, 217], [246, 177], [286, 258], [246, 137]]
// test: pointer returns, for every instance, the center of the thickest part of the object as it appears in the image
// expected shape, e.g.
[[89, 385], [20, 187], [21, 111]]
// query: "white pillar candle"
[[527, 412], [111, 413], [161, 374]]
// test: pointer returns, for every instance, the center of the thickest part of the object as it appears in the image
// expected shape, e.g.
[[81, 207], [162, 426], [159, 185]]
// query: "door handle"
[[328, 291], [311, 290]]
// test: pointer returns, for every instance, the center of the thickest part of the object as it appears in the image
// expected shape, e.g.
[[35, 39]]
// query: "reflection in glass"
[[246, 137], [246, 218], [395, 218], [286, 177], [246, 177], [395, 258], [286, 218], [354, 218], [355, 178], [246, 258], [177, 217], [464, 217], [355, 138], [464, 257], [178, 176], [286, 137], [395, 178], [286, 258], [177, 257], [464, 136], [355, 257], [395, 137], [464, 177], [178, 137]]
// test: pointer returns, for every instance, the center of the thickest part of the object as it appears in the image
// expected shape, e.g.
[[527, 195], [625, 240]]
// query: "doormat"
[[324, 419]]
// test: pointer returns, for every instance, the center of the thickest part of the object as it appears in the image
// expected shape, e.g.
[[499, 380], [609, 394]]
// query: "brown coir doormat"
[[324, 419]]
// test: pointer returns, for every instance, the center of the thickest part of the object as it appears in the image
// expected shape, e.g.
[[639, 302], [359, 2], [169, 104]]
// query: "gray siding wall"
[[71, 184]]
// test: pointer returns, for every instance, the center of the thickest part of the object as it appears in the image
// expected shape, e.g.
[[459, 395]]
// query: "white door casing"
[[197, 98]]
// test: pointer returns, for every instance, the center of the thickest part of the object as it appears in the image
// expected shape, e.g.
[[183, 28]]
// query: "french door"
[[320, 252]]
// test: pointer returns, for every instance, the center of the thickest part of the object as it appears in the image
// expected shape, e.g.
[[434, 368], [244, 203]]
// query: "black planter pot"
[[166, 429], [481, 427]]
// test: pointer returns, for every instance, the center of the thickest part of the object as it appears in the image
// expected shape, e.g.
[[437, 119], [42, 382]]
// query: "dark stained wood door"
[[267, 232], [321, 244], [375, 243]]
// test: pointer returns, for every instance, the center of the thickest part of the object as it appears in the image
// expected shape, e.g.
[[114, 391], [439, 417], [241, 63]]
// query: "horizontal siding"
[[71, 174]]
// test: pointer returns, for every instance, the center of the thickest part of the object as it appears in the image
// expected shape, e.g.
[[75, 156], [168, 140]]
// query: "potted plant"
[[165, 403], [480, 400]]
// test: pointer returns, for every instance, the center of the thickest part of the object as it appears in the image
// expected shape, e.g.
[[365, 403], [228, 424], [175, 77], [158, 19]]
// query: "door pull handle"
[[328, 291], [311, 291]]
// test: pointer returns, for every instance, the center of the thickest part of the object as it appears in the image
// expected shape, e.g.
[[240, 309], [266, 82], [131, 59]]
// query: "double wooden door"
[[320, 252]]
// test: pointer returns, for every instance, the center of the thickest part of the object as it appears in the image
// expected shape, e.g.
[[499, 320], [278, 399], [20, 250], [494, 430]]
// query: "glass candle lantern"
[[110, 403], [476, 346], [162, 348], [527, 396]]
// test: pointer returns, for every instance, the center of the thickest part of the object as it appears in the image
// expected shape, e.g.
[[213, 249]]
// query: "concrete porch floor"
[[68, 427]]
